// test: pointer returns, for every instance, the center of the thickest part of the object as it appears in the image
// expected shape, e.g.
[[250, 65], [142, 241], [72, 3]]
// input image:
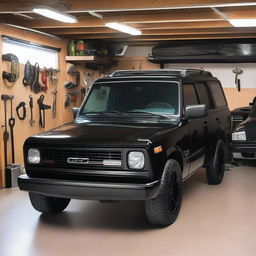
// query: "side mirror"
[[75, 111], [195, 111]]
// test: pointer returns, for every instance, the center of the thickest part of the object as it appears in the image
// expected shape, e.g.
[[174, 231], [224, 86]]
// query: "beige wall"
[[238, 99], [21, 93]]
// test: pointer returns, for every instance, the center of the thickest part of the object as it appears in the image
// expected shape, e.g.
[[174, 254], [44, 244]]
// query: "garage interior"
[[214, 220]]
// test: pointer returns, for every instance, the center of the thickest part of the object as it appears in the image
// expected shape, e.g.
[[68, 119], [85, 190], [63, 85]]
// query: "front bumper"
[[89, 190], [246, 151]]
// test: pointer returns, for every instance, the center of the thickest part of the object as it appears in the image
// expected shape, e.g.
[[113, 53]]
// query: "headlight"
[[33, 156], [136, 160], [239, 136]]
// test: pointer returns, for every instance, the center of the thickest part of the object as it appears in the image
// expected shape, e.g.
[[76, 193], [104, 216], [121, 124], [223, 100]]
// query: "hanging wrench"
[[54, 101], [12, 124], [31, 121]]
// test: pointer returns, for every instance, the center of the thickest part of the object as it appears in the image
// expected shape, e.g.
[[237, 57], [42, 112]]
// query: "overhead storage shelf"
[[89, 59]]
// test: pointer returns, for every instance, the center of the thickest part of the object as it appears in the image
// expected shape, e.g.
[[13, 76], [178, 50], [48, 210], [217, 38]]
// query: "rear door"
[[220, 104], [210, 123], [196, 129], [222, 116]]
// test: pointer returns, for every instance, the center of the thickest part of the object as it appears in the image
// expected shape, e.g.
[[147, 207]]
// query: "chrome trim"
[[78, 160]]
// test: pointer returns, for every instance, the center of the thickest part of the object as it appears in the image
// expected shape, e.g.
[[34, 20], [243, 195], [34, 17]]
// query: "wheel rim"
[[174, 196]]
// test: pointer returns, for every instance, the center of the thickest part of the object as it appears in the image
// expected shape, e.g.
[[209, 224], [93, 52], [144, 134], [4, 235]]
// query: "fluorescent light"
[[243, 22], [54, 14], [123, 28]]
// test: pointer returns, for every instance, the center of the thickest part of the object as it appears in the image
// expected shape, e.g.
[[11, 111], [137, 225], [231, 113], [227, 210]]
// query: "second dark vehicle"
[[137, 136], [244, 137]]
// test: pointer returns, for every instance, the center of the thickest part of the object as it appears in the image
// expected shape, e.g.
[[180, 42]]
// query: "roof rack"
[[160, 72]]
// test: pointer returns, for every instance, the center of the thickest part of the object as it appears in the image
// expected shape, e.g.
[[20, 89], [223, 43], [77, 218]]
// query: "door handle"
[[205, 124]]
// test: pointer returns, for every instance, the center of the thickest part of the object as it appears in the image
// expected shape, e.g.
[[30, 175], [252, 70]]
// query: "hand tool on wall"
[[52, 75], [42, 108], [54, 101], [5, 98], [44, 79], [12, 76], [29, 74], [238, 72], [70, 96], [12, 124], [76, 74], [67, 101], [70, 85], [23, 114], [31, 105], [36, 87]]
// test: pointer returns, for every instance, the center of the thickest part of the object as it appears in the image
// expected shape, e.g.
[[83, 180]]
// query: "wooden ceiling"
[[159, 20]]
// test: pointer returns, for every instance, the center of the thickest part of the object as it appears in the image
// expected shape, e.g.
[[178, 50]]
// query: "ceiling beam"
[[117, 5], [241, 14], [184, 37], [137, 18], [108, 33], [167, 26], [182, 25], [173, 17], [163, 33], [26, 6], [149, 4]]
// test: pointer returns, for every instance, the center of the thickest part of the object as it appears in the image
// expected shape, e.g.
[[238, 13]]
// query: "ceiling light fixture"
[[123, 28], [243, 22], [55, 14]]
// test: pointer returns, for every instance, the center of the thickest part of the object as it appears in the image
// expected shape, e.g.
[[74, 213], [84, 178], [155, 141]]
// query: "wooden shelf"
[[88, 59]]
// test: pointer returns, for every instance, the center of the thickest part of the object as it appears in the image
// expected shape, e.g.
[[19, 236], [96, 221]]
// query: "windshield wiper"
[[113, 112], [92, 112], [145, 113], [103, 112], [107, 113]]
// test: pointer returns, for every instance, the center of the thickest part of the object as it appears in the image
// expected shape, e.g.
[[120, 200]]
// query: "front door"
[[196, 129]]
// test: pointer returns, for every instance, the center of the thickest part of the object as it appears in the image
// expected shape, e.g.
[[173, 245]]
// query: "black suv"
[[244, 136], [136, 136]]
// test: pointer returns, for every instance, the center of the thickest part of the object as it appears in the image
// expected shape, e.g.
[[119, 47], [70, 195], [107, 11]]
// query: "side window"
[[189, 95], [203, 94], [217, 94]]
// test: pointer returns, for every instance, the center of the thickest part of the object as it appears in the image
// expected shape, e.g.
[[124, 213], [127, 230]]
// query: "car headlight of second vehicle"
[[239, 136]]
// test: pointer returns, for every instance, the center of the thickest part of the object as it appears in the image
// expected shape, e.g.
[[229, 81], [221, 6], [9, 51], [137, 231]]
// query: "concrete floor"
[[214, 221]]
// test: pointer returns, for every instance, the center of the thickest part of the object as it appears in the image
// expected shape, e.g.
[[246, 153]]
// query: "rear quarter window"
[[217, 94]]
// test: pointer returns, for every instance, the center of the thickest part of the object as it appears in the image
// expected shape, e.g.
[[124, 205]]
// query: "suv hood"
[[98, 134], [249, 121], [249, 126]]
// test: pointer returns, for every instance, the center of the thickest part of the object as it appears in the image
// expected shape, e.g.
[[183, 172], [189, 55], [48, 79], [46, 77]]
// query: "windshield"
[[134, 97], [253, 109]]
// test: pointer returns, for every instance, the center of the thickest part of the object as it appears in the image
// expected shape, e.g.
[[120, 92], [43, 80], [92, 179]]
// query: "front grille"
[[250, 132], [81, 158]]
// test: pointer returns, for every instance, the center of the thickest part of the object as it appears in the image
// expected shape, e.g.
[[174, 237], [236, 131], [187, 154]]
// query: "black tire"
[[164, 209], [46, 204], [216, 165]]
